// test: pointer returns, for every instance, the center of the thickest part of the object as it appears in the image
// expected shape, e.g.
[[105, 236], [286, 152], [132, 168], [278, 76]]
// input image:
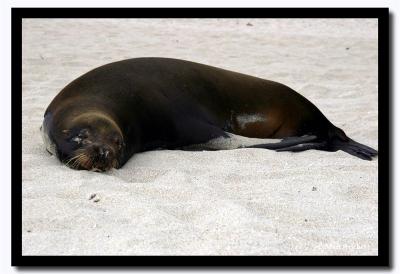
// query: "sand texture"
[[244, 201]]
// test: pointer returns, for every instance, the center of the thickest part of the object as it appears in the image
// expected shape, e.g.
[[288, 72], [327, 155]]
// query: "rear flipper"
[[356, 149], [303, 147], [288, 143], [306, 142], [297, 144]]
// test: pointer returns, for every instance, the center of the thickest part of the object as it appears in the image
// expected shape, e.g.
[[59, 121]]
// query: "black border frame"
[[382, 259]]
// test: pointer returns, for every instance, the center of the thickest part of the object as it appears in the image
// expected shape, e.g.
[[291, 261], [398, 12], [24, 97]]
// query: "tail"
[[339, 141]]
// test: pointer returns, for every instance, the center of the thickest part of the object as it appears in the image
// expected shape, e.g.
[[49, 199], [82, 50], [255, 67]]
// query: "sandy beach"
[[227, 202]]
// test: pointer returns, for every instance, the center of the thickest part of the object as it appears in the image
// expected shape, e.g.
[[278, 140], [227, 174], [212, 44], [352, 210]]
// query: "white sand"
[[247, 201]]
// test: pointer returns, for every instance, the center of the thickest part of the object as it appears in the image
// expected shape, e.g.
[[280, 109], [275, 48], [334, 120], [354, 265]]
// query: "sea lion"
[[102, 118]]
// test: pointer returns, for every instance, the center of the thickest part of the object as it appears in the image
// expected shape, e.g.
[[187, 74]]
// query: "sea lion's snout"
[[103, 157], [94, 157]]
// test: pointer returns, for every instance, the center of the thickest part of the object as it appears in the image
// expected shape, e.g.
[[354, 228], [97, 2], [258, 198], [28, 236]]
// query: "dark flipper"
[[357, 153], [354, 148], [362, 147], [286, 142], [303, 147], [297, 144]]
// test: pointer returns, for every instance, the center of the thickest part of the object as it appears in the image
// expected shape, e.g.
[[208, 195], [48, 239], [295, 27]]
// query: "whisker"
[[72, 159], [76, 160], [80, 160], [73, 165], [87, 162]]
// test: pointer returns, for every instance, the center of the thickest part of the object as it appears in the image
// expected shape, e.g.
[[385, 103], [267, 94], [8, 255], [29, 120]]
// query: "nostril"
[[101, 151]]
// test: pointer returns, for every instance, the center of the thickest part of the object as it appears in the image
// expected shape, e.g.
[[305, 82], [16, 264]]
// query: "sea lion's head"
[[91, 141]]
